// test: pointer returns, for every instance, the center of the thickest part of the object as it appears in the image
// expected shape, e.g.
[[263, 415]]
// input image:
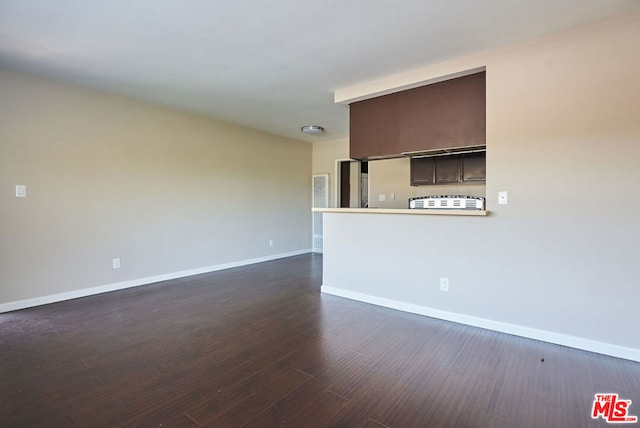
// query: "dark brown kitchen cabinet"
[[474, 167], [443, 115], [452, 169], [421, 170], [447, 170]]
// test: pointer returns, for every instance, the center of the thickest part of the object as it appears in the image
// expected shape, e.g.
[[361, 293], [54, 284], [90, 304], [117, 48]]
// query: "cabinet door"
[[447, 169], [422, 171], [474, 167]]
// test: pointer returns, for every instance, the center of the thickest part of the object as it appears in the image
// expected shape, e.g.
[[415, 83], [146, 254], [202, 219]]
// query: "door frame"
[[353, 187]]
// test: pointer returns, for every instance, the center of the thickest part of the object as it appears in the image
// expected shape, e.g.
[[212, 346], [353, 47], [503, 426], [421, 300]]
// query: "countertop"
[[402, 211]]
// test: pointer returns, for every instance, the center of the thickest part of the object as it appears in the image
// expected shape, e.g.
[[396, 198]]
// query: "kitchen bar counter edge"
[[402, 211]]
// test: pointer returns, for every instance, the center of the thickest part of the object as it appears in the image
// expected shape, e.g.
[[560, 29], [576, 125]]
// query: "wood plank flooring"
[[259, 346]]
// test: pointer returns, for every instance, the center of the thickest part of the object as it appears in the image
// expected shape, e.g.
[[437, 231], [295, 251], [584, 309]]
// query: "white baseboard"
[[516, 330], [52, 298]]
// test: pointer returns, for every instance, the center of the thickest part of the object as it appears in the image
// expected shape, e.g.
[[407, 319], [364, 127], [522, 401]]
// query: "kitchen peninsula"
[[434, 138], [396, 257]]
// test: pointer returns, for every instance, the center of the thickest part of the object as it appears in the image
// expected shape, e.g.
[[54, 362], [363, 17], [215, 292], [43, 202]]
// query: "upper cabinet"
[[463, 168], [445, 115]]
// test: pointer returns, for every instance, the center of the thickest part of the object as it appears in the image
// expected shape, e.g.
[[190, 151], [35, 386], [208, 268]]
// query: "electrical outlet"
[[503, 198], [271, 242], [116, 263], [444, 284]]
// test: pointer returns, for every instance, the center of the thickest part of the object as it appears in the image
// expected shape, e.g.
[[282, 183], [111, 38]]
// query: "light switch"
[[21, 191], [503, 198]]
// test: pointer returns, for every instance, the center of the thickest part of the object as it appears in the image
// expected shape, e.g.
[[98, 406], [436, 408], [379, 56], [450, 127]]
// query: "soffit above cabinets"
[[444, 116]]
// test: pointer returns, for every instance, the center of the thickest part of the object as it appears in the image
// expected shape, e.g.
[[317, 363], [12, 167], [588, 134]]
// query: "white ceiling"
[[270, 65]]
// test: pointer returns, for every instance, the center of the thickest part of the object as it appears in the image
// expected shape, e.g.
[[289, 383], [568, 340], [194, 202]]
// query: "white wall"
[[163, 190], [563, 138]]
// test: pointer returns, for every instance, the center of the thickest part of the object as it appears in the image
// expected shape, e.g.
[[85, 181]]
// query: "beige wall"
[[163, 190], [325, 154], [563, 138]]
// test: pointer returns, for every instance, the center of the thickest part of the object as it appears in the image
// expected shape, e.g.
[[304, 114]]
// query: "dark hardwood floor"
[[259, 346]]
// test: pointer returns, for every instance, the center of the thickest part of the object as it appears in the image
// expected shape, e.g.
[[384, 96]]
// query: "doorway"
[[352, 184]]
